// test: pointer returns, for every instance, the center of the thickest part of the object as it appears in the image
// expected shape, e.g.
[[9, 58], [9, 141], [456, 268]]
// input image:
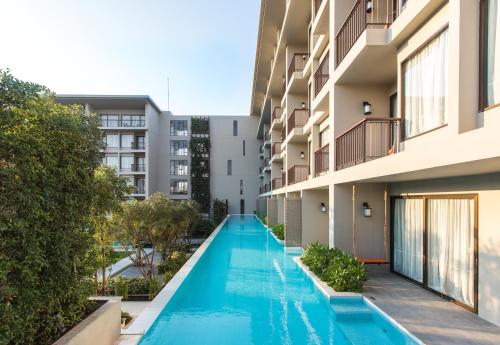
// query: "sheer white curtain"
[[450, 263], [425, 78], [408, 237], [493, 54]]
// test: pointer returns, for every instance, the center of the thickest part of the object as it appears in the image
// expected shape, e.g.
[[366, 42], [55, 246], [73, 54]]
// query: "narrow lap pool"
[[246, 290]]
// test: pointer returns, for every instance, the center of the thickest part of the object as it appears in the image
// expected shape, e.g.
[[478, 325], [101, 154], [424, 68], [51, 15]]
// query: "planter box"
[[104, 323]]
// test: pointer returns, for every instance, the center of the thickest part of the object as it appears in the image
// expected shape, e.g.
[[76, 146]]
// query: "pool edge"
[[148, 316]]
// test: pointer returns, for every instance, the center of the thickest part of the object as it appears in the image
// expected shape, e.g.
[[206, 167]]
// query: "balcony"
[[277, 183], [126, 123], [276, 149], [321, 75], [321, 164], [297, 64], [138, 167], [297, 119], [277, 112], [317, 5], [283, 178], [381, 13], [265, 188], [138, 145], [298, 173], [139, 189], [368, 140], [283, 133]]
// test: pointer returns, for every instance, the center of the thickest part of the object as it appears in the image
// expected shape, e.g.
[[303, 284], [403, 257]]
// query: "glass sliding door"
[[408, 243], [450, 248]]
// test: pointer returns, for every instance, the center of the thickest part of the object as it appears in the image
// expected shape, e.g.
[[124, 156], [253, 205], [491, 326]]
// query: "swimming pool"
[[246, 289]]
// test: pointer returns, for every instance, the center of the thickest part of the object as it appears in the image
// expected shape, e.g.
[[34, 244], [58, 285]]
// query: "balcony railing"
[[322, 75], [368, 140], [321, 164], [276, 149], [265, 188], [277, 183], [297, 119], [139, 189], [382, 13], [138, 145], [283, 178], [297, 173], [277, 112], [297, 64], [123, 123], [138, 167]]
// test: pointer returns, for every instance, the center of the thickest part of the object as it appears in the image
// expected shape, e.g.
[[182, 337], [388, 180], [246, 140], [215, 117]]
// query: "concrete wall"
[[293, 222], [281, 209], [272, 211], [314, 222], [224, 147], [153, 135], [101, 327], [488, 189]]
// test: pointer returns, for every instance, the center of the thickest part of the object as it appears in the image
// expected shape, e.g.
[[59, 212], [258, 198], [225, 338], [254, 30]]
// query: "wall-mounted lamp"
[[369, 6], [302, 155], [323, 207], [303, 105], [281, 170], [367, 108], [367, 210]]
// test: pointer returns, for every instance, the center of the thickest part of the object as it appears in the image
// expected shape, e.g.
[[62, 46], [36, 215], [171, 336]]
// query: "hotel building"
[[380, 127]]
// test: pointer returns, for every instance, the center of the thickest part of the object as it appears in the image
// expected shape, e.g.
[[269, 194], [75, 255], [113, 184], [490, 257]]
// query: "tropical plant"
[[48, 154], [338, 269], [279, 231], [220, 211], [110, 190]]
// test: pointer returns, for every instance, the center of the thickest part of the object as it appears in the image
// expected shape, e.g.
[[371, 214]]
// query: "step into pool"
[[246, 289]]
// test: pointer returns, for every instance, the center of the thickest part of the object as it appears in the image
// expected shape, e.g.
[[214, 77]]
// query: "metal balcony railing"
[[277, 112], [138, 145], [378, 13], [140, 190], [297, 64], [368, 140], [277, 183], [297, 119], [297, 173], [322, 75], [276, 149], [138, 167], [321, 157]]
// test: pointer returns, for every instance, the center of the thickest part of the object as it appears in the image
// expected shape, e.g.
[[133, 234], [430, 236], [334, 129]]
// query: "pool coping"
[[146, 319], [331, 294], [268, 228]]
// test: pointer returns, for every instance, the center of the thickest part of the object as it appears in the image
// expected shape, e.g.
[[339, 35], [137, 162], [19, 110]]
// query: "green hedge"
[[279, 231], [338, 269]]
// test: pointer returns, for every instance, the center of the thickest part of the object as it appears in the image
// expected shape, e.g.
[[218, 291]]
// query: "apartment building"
[[151, 148], [380, 120]]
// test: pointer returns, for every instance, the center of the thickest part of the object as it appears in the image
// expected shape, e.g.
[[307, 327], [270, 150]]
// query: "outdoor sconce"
[[369, 6], [323, 207], [303, 105], [367, 108], [302, 155], [281, 169], [367, 210]]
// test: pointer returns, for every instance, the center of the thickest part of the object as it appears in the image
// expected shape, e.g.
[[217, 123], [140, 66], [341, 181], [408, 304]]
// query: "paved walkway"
[[123, 264], [429, 317]]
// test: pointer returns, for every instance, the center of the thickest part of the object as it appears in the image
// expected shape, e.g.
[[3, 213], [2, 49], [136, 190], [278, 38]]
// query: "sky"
[[205, 47]]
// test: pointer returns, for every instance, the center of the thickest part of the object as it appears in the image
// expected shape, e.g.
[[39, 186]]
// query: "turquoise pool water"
[[246, 290]]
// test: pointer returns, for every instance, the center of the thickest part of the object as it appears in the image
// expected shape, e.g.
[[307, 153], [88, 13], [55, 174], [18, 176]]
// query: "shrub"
[[173, 264], [202, 227], [279, 231], [220, 211], [338, 269]]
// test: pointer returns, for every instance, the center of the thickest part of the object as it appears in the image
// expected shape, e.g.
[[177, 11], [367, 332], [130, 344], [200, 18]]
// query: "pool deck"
[[429, 317]]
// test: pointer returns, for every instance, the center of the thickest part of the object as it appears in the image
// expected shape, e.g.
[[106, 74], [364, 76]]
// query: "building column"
[[293, 221], [272, 211]]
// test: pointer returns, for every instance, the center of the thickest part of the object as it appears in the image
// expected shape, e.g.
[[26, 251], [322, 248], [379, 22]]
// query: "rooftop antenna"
[[168, 93]]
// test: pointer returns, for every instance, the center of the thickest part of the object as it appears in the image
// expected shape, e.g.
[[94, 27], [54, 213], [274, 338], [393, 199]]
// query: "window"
[[140, 186], [324, 137], [140, 164], [111, 161], [243, 147], [241, 187], [140, 143], [235, 128], [133, 121], [179, 147], [490, 54], [111, 140], [425, 87], [178, 187], [179, 128], [229, 167], [126, 162], [108, 120], [179, 168], [126, 140]]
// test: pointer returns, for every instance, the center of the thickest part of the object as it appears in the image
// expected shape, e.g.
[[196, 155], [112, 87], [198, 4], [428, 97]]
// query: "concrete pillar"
[[272, 211], [281, 209], [293, 222]]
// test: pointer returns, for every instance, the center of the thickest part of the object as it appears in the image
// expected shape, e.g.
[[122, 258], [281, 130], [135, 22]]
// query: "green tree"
[[220, 211], [110, 190], [48, 154]]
